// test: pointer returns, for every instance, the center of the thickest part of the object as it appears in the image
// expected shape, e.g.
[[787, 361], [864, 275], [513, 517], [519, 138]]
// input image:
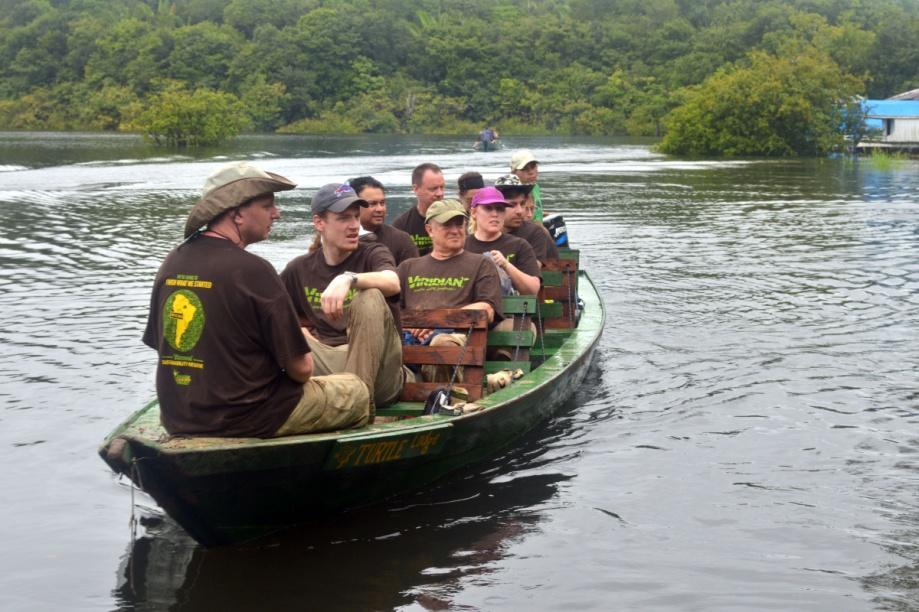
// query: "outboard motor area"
[[556, 226]]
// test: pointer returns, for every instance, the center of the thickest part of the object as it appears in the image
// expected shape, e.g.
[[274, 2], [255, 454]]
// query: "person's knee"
[[448, 340], [368, 298], [347, 392]]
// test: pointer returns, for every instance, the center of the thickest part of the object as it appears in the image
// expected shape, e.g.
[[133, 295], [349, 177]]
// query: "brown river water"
[[747, 437]]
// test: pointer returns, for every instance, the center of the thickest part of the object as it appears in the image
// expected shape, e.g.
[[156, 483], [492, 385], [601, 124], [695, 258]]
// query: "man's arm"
[[300, 368], [387, 281], [333, 298], [489, 310]]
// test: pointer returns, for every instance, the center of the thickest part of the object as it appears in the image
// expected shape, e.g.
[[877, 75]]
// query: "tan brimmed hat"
[[232, 186]]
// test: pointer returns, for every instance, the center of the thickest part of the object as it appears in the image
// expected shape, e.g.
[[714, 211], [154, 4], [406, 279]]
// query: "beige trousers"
[[338, 401], [443, 373], [373, 351]]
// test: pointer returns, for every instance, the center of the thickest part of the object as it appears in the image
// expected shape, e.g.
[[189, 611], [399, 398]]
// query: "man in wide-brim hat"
[[233, 361]]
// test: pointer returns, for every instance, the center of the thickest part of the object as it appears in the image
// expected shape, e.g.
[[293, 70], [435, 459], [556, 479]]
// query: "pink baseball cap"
[[488, 195]]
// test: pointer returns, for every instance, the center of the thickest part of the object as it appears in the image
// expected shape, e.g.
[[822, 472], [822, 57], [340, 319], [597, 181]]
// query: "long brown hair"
[[317, 238]]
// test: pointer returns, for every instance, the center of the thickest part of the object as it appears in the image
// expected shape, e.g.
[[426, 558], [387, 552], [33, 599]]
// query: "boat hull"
[[225, 491]]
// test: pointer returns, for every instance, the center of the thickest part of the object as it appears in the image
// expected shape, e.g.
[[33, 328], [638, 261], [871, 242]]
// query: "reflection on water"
[[420, 547], [746, 439]]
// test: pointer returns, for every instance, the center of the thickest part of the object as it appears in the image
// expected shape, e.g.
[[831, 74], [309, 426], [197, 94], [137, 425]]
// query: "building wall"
[[903, 130]]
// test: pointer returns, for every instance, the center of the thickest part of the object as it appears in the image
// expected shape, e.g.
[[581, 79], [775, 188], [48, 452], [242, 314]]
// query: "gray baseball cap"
[[337, 197]]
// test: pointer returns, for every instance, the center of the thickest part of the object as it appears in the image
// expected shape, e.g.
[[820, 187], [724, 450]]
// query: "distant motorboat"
[[487, 145], [488, 140]]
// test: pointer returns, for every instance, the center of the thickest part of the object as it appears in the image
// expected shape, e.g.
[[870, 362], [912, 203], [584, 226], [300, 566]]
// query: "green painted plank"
[[402, 409], [536, 352], [551, 338], [551, 279], [523, 337], [519, 304], [572, 254], [551, 310]]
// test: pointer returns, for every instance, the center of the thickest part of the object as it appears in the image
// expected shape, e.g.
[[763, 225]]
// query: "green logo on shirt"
[[314, 298], [428, 283], [422, 242], [183, 320]]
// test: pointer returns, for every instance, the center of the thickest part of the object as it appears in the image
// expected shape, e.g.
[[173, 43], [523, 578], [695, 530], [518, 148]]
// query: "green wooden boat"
[[228, 490]]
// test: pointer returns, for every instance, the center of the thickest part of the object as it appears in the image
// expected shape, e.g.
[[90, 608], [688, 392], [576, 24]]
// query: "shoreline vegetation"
[[720, 78]]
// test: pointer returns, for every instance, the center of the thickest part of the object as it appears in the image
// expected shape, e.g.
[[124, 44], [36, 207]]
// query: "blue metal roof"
[[891, 108]]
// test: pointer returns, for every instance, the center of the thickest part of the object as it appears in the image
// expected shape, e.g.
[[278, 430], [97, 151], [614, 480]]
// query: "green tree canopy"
[[179, 117], [448, 66], [769, 105]]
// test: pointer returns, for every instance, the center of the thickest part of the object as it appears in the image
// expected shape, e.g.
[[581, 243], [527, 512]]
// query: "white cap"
[[521, 158]]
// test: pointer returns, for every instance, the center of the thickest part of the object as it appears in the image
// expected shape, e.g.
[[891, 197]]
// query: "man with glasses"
[[373, 219]]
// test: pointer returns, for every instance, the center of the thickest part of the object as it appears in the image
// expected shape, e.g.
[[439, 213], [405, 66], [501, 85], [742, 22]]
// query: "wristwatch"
[[352, 276]]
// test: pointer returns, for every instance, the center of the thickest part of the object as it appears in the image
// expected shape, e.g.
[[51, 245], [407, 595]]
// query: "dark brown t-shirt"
[[307, 276], [398, 242], [516, 250], [538, 238], [412, 223], [429, 283], [224, 328]]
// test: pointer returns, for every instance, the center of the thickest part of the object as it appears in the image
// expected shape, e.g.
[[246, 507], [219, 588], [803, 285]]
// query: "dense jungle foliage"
[[196, 71]]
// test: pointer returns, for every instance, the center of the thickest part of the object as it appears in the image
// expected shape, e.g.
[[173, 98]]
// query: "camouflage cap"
[[510, 185]]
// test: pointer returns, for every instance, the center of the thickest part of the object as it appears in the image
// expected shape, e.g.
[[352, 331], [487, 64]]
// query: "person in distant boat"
[[233, 360], [448, 277], [428, 186], [373, 219], [345, 292], [468, 185], [487, 139], [513, 256], [515, 222], [525, 166]]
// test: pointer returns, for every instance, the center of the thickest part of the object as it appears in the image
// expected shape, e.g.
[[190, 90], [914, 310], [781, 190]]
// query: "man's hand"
[[421, 334], [333, 298]]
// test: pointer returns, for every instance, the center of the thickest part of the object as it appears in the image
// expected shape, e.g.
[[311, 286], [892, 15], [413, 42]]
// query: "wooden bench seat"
[[558, 294], [472, 358], [516, 342]]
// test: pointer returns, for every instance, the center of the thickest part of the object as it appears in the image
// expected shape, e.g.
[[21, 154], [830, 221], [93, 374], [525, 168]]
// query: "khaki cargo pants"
[[338, 401], [351, 379], [373, 351]]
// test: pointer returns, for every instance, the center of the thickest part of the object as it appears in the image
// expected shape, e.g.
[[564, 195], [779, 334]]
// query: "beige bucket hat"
[[231, 186]]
